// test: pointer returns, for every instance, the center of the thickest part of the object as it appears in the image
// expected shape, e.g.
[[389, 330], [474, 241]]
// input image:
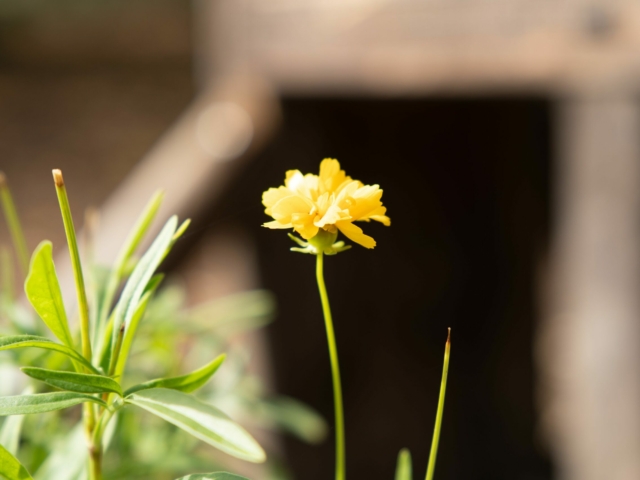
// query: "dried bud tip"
[[57, 177], [3, 179], [449, 335]]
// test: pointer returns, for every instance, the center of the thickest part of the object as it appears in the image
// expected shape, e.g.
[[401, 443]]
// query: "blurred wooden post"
[[590, 347]]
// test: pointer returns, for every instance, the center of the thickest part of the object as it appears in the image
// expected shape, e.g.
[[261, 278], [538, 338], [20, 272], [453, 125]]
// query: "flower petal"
[[273, 196], [288, 206], [383, 219], [333, 215], [303, 224], [331, 176], [355, 234], [275, 224]]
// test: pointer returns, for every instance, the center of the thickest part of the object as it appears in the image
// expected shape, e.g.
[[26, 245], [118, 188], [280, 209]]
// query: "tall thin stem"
[[89, 414], [13, 221], [436, 430], [83, 305], [335, 371]]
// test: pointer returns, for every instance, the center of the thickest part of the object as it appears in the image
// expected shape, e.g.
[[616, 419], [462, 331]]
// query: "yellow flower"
[[330, 201]]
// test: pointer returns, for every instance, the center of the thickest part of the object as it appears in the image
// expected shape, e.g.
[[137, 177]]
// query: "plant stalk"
[[15, 228], [83, 305], [436, 430], [335, 371], [88, 412], [95, 462]]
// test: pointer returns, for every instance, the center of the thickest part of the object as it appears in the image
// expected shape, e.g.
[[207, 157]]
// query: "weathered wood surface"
[[589, 349], [416, 46]]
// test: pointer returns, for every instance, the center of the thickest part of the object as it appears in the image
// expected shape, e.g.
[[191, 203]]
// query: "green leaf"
[[213, 476], [233, 314], [132, 327], [201, 420], [74, 382], [404, 469], [68, 457], [292, 416], [104, 356], [185, 383], [433, 454], [181, 229], [7, 276], [12, 428], [43, 402], [11, 468], [10, 433], [43, 291], [135, 287], [126, 253], [22, 341], [138, 232]]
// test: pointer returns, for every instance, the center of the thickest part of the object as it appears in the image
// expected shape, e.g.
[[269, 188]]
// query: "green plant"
[[99, 359], [88, 367]]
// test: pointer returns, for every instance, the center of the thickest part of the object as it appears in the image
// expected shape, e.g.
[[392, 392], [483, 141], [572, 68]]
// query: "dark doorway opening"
[[467, 186]]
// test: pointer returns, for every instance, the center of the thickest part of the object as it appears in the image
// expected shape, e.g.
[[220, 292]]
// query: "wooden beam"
[[589, 349]]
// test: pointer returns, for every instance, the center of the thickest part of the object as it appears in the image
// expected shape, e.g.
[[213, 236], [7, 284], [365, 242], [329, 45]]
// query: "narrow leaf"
[[138, 231], [233, 314], [43, 291], [404, 469], [201, 420], [181, 229], [22, 341], [43, 402], [7, 293], [132, 327], [431, 467], [292, 416], [135, 287], [69, 455], [68, 458], [130, 245], [213, 476], [13, 222], [10, 433], [11, 468], [185, 383], [74, 382], [12, 429]]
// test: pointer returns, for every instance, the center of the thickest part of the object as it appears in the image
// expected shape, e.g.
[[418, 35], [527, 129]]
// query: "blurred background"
[[504, 134]]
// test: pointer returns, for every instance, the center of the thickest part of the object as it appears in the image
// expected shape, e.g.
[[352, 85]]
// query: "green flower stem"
[[13, 221], [89, 414], [436, 430], [335, 371]]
